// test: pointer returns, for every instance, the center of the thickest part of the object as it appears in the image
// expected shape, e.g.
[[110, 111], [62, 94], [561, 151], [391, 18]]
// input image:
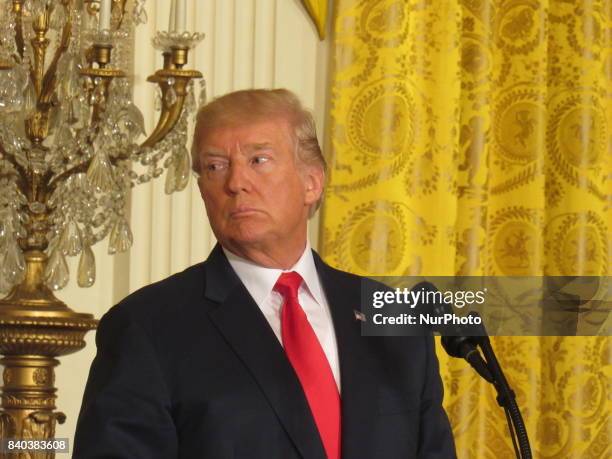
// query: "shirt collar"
[[260, 281]]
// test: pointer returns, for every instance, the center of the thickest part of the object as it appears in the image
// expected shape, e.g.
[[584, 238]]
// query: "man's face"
[[255, 194]]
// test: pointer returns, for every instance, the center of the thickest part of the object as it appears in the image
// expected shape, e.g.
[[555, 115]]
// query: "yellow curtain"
[[473, 138]]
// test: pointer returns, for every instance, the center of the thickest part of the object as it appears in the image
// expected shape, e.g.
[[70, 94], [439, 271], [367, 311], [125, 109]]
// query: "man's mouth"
[[243, 212]]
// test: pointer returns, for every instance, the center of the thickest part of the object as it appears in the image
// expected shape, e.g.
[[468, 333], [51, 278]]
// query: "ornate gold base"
[[35, 327]]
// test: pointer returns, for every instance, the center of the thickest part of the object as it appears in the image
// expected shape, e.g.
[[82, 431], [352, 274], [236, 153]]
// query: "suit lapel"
[[246, 330], [359, 375]]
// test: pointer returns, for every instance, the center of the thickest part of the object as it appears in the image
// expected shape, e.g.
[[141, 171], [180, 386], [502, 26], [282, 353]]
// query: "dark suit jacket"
[[189, 368]]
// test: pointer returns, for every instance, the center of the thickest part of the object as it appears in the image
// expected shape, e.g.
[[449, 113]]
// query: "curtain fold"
[[473, 138]]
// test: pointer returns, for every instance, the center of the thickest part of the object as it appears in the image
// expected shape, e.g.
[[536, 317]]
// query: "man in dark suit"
[[257, 352]]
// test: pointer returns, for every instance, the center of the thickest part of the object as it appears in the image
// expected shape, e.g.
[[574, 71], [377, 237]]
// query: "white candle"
[[105, 15], [181, 16], [171, 23]]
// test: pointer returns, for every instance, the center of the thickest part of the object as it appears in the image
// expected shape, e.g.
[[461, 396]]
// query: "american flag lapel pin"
[[359, 315]]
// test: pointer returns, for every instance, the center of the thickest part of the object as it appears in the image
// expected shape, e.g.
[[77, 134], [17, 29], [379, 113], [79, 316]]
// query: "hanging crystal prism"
[[74, 110], [54, 113], [22, 76], [30, 100], [72, 85], [28, 6], [170, 184], [158, 100], [86, 275], [97, 96], [190, 100], [120, 237], [56, 272], [183, 166], [99, 173], [179, 165], [6, 227], [134, 121], [63, 137], [58, 17], [6, 276], [140, 14], [37, 8], [13, 264], [71, 239], [170, 98]]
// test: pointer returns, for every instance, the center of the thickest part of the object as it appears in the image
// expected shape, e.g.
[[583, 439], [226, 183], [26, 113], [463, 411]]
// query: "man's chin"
[[247, 236]]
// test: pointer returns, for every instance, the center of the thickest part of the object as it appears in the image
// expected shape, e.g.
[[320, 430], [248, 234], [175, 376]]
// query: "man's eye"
[[259, 160], [214, 167]]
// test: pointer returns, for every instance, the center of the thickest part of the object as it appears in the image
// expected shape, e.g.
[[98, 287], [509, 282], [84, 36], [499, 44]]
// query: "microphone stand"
[[460, 345], [457, 344], [506, 399]]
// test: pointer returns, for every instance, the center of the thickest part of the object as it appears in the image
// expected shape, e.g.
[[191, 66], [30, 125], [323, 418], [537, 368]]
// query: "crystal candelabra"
[[71, 148]]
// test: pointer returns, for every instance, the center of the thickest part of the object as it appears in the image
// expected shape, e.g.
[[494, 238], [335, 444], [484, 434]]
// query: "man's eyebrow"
[[258, 146], [212, 152]]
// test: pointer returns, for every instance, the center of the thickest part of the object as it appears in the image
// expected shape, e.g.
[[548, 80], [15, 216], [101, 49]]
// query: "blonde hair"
[[252, 105]]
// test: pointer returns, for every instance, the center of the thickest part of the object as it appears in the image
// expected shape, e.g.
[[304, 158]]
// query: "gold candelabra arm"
[[39, 42], [173, 81], [104, 76], [170, 80], [19, 42], [50, 78], [37, 125]]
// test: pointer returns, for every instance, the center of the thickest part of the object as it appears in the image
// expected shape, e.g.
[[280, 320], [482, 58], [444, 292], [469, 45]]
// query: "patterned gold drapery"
[[473, 138]]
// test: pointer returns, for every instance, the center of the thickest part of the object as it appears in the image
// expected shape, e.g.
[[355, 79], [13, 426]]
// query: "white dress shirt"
[[260, 281]]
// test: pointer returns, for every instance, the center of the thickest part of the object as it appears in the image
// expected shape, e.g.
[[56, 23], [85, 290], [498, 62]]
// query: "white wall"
[[249, 43]]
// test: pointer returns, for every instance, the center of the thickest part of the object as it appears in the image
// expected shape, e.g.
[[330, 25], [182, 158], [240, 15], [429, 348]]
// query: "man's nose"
[[238, 178]]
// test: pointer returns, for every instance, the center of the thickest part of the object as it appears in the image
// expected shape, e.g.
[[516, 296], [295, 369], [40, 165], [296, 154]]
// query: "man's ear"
[[314, 180]]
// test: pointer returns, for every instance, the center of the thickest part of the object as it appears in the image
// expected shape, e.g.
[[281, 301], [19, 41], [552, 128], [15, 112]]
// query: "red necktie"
[[310, 364]]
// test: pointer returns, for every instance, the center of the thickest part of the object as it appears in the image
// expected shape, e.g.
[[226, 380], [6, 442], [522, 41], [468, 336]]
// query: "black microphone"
[[455, 338], [464, 347]]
